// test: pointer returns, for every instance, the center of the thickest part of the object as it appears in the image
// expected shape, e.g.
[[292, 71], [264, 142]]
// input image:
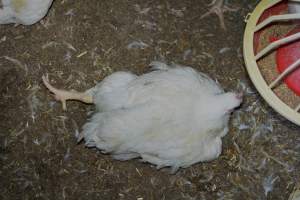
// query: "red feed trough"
[[285, 55]]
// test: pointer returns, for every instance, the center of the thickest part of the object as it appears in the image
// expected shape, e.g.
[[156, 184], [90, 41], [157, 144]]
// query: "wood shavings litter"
[[81, 54]]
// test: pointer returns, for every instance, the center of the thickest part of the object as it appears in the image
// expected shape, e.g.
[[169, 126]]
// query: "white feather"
[[174, 116]]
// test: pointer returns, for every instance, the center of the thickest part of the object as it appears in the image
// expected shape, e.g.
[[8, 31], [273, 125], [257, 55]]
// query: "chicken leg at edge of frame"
[[63, 95]]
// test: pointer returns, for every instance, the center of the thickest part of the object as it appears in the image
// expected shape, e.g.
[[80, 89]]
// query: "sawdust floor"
[[78, 44]]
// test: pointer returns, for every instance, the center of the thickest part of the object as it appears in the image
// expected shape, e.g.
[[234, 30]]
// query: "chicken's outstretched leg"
[[63, 95], [218, 8]]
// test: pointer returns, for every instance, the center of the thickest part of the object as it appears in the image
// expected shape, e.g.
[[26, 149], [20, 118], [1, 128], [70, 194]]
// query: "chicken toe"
[[218, 8]]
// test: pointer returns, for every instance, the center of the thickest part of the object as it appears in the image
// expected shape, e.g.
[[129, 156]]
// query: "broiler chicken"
[[172, 117], [24, 12]]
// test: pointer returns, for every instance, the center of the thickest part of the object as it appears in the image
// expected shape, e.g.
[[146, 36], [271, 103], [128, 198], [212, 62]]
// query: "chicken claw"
[[218, 8], [63, 95]]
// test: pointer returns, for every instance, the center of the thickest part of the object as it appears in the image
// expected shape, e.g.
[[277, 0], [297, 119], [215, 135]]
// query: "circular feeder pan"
[[285, 57], [267, 50]]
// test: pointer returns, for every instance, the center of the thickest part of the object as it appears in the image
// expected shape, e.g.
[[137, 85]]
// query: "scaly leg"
[[63, 95], [218, 8]]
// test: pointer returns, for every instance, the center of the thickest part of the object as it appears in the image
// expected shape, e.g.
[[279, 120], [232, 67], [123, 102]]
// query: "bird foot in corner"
[[218, 8]]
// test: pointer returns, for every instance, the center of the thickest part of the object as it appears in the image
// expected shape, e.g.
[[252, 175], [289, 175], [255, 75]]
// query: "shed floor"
[[78, 44]]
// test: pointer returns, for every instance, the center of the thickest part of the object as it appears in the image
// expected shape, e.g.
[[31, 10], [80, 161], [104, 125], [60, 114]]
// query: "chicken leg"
[[218, 8], [63, 95]]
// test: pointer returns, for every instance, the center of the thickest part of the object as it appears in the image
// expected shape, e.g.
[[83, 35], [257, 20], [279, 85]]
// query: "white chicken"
[[172, 117], [24, 12]]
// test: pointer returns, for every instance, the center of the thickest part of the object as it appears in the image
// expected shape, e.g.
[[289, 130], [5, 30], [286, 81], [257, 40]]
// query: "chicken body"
[[173, 116], [24, 12]]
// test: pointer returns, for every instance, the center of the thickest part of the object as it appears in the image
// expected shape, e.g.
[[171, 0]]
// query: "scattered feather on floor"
[[268, 183], [137, 45]]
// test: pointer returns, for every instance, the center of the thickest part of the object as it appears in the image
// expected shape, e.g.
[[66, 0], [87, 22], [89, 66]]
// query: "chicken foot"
[[63, 95], [218, 8]]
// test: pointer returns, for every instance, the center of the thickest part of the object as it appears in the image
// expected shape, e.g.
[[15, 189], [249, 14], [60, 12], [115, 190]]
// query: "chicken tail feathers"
[[157, 65], [80, 137]]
